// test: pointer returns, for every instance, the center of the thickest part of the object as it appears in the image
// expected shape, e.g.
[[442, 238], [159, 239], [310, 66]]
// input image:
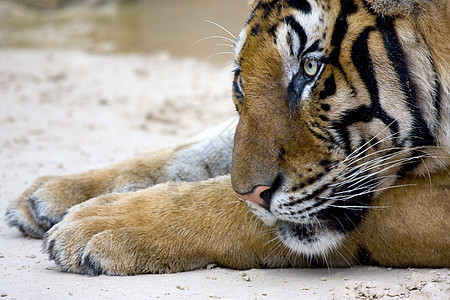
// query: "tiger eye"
[[311, 67]]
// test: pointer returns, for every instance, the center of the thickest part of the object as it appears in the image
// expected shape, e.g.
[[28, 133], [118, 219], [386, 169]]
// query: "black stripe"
[[256, 29], [266, 8], [308, 197], [290, 43], [436, 84], [346, 219], [348, 7], [313, 47], [329, 88], [437, 91], [340, 29], [325, 106], [421, 133], [363, 63], [319, 202], [319, 135], [237, 93], [322, 134], [362, 113], [301, 5], [290, 20]]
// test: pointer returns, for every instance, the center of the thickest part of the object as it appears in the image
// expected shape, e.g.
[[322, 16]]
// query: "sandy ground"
[[63, 112]]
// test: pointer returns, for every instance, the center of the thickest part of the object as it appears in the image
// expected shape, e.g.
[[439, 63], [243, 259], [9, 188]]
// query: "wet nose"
[[256, 195]]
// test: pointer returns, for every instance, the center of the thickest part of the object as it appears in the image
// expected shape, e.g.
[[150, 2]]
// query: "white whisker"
[[223, 28], [368, 142], [212, 37], [396, 150], [218, 53], [227, 45], [372, 191], [357, 207]]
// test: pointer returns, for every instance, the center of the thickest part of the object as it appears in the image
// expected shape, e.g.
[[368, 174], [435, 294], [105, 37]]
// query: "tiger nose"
[[256, 195]]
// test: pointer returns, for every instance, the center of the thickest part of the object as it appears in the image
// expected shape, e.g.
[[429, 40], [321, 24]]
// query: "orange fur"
[[132, 218]]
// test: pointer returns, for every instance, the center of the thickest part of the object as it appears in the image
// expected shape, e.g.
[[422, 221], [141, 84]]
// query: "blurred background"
[[123, 26]]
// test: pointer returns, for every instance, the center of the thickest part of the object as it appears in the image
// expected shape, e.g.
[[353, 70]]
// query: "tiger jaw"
[[313, 225], [314, 239], [310, 236]]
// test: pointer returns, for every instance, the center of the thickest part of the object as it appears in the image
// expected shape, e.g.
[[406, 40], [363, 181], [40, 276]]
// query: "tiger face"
[[331, 114]]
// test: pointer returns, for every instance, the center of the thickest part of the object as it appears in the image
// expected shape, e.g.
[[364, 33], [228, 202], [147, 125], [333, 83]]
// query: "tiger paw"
[[43, 204], [118, 234], [82, 247]]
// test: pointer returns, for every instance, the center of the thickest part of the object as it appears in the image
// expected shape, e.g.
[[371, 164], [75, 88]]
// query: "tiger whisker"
[[352, 175], [390, 163], [365, 186], [397, 150], [357, 207], [277, 246], [344, 194], [374, 178], [227, 45], [334, 247], [218, 53], [361, 179], [372, 191], [368, 142], [211, 37], [349, 174], [221, 27], [356, 159]]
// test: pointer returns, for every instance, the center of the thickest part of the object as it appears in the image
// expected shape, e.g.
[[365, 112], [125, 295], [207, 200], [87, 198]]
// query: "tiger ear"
[[392, 8]]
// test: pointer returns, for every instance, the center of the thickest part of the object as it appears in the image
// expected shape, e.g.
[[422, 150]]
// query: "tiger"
[[339, 156]]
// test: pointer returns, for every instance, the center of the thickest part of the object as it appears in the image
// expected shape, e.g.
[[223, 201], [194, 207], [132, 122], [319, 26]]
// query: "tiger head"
[[336, 101]]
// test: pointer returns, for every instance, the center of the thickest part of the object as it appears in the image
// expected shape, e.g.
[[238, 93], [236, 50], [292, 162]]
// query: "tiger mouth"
[[319, 206], [316, 228], [315, 219], [345, 213]]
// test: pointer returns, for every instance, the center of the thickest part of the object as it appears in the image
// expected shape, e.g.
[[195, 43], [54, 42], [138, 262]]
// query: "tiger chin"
[[341, 151]]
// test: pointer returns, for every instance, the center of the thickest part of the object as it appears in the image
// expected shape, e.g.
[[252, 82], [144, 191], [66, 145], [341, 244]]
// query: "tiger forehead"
[[263, 25], [267, 13]]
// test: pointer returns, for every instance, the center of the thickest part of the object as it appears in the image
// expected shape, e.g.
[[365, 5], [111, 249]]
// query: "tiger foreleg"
[[167, 228], [44, 203]]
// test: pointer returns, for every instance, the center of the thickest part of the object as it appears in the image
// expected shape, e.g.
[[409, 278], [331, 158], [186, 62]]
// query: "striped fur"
[[344, 111], [376, 111]]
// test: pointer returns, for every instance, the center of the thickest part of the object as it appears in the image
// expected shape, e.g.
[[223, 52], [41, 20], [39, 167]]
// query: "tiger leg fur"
[[176, 227], [45, 202]]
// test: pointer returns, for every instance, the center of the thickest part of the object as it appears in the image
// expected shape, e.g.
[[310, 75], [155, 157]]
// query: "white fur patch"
[[268, 218], [242, 37], [324, 241], [207, 155]]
